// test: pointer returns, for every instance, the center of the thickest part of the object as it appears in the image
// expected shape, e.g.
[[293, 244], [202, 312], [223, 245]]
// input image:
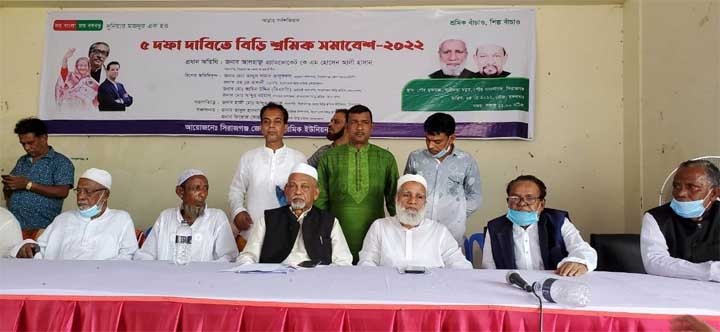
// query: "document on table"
[[260, 268]]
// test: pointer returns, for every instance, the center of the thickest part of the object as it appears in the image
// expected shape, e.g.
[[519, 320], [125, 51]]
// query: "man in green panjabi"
[[355, 180]]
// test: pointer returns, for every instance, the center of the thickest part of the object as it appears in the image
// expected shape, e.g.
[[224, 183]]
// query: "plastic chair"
[[469, 242], [140, 236]]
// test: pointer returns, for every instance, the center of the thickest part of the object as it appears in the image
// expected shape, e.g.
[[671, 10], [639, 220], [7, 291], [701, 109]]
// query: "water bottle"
[[563, 292], [183, 244]]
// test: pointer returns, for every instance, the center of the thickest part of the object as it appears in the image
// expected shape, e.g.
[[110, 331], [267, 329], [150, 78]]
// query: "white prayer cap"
[[411, 178], [100, 176], [188, 173], [306, 169]]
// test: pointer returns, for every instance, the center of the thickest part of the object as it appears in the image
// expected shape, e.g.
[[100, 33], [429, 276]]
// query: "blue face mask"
[[93, 210], [689, 210], [441, 154], [522, 218]]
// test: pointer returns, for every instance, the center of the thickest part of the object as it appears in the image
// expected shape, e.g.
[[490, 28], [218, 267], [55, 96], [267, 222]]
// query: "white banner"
[[209, 73]]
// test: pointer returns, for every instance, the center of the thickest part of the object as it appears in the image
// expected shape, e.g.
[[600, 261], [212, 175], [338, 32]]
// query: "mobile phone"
[[413, 270]]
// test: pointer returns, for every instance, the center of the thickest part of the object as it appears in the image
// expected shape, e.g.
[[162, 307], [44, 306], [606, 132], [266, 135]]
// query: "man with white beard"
[[297, 233], [212, 238], [452, 54], [408, 238]]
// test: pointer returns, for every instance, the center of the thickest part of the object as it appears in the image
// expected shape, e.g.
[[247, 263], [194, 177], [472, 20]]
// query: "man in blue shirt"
[[40, 180]]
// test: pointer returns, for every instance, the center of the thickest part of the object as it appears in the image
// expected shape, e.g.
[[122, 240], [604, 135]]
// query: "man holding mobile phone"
[[41, 179]]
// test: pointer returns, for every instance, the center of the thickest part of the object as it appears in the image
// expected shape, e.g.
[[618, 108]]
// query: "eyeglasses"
[[527, 199], [86, 192]]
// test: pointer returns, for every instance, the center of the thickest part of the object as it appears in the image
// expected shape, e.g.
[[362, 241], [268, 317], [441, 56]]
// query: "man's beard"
[[452, 70], [490, 70], [192, 211], [409, 217], [336, 136], [297, 203]]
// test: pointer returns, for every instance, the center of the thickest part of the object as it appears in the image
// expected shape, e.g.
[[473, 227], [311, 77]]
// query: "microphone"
[[563, 292], [514, 278]]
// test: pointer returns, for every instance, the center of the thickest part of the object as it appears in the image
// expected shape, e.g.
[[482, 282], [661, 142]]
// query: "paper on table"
[[260, 268]]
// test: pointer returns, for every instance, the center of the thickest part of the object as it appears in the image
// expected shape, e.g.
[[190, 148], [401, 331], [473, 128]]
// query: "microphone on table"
[[514, 278]]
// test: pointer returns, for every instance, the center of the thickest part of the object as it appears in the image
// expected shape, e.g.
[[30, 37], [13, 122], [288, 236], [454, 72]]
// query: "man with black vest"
[[297, 232], [532, 237], [681, 239]]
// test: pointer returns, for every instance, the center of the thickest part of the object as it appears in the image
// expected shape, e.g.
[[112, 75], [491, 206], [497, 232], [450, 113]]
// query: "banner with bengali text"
[[209, 72]]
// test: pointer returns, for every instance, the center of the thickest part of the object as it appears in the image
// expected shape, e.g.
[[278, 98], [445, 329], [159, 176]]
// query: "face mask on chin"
[[522, 218], [691, 209], [93, 210]]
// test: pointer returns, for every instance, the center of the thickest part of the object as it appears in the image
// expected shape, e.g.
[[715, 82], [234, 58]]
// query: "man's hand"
[[243, 221], [690, 323], [14, 182], [571, 269], [28, 250]]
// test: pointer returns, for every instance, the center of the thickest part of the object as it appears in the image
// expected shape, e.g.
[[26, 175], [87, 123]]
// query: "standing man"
[[453, 176], [452, 53], [357, 180], [682, 239], [336, 133], [97, 54], [112, 95], [262, 172], [41, 179]]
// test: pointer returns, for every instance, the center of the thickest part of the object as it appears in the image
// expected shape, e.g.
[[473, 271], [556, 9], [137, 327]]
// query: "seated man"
[[212, 238], [10, 234], [531, 237], [297, 232], [92, 232], [681, 239], [408, 238]]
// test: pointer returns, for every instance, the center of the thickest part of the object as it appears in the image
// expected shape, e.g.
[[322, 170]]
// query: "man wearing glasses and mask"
[[92, 232], [532, 237]]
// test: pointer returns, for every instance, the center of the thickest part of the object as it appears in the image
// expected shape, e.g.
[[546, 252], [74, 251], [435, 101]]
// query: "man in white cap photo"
[[297, 233], [92, 232], [212, 238], [408, 238]]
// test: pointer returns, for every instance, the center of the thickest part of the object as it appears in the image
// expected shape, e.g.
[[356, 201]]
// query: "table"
[[151, 295]]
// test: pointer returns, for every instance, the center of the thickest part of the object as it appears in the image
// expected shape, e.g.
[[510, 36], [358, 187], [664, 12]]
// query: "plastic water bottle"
[[183, 244], [563, 292]]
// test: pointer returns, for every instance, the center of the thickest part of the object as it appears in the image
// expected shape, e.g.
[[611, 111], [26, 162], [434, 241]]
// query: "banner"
[[210, 72]]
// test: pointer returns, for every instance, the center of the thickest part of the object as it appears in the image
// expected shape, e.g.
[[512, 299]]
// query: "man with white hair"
[[408, 238], [212, 238], [298, 232], [490, 60], [92, 232], [452, 54]]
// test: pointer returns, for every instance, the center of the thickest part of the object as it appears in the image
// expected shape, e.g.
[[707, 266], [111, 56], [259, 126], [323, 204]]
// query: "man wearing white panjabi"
[[408, 238], [92, 232], [297, 232], [212, 238]]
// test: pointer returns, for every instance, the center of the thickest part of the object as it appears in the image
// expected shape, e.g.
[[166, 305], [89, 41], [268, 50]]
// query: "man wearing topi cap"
[[92, 232], [212, 238], [408, 238], [297, 232]]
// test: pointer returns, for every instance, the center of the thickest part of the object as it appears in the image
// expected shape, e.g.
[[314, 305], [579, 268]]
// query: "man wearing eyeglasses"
[[92, 232], [297, 233], [98, 52], [532, 237]]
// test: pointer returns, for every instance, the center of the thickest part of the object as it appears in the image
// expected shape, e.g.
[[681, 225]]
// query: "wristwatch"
[[28, 185]]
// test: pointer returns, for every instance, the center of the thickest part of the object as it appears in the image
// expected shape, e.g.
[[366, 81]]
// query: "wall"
[[578, 149]]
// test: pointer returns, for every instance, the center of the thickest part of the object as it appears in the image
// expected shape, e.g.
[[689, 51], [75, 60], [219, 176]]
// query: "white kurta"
[[657, 260], [71, 236], [251, 254], [10, 233], [212, 239], [258, 172], [527, 248], [430, 244]]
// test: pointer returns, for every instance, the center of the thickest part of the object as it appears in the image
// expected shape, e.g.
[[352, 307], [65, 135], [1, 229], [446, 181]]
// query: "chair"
[[469, 242], [140, 236], [618, 252], [32, 233]]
